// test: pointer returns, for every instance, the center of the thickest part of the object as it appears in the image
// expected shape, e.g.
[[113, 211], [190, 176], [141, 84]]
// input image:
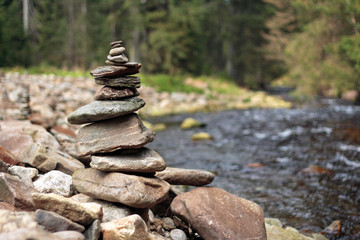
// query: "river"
[[264, 155]]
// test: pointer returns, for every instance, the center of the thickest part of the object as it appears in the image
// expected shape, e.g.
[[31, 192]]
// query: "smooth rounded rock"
[[124, 132], [217, 214], [119, 58], [126, 81], [142, 160], [102, 110], [192, 177], [116, 51], [131, 190], [177, 234], [110, 93], [114, 71]]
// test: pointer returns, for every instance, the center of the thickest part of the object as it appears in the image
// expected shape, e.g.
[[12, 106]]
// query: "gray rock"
[[143, 160], [131, 190], [109, 93], [168, 224], [125, 132], [112, 44], [24, 173], [127, 64], [82, 213], [119, 58], [127, 81], [69, 235], [192, 177], [102, 110], [221, 215], [55, 182], [54, 222], [114, 71], [177, 234], [116, 51], [93, 232], [16, 192]]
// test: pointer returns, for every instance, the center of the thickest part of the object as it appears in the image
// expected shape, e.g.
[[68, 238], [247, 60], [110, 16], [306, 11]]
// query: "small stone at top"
[[115, 42]]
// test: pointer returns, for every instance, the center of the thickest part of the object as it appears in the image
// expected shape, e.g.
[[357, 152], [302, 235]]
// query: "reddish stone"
[[7, 157]]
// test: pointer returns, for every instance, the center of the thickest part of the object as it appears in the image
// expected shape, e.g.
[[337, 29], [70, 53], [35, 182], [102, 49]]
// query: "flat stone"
[[221, 215], [119, 58], [102, 110], [8, 158], [125, 132], [54, 222], [115, 43], [55, 182], [16, 192], [130, 228], [93, 232], [116, 51], [109, 93], [82, 213], [192, 177], [143, 160], [127, 81], [69, 235], [24, 173], [131, 190], [114, 71], [127, 64]]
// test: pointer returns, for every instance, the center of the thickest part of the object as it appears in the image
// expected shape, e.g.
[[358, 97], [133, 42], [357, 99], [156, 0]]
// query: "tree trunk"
[[71, 35], [26, 16]]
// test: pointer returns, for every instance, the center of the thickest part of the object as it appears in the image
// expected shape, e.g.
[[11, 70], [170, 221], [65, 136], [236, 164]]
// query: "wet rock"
[[316, 170], [114, 71], [93, 232], [24, 173], [82, 213], [131, 190], [130, 228], [191, 123], [143, 160], [16, 192], [274, 232], [177, 234], [113, 134], [8, 158], [55, 182], [201, 136], [102, 110], [221, 215], [69, 235], [127, 81], [119, 58], [179, 176], [46, 159], [111, 211], [116, 51], [273, 222], [333, 229], [108, 93], [54, 222]]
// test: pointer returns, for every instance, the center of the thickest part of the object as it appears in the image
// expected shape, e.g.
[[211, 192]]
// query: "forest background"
[[313, 45]]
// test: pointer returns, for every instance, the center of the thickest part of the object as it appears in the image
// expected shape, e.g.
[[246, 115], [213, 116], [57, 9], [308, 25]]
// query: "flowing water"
[[263, 155]]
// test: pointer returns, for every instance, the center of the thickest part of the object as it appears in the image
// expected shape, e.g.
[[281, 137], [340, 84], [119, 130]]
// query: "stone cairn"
[[121, 169]]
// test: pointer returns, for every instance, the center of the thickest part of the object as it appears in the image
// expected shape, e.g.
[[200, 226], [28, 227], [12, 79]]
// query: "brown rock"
[[130, 228], [121, 82], [112, 44], [131, 190], [192, 177], [7, 157], [108, 93], [6, 206], [119, 58], [82, 213], [113, 134], [16, 192], [144, 160], [54, 222], [127, 64], [216, 214], [114, 71]]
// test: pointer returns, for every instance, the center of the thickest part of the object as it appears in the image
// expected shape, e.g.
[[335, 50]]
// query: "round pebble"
[[177, 234]]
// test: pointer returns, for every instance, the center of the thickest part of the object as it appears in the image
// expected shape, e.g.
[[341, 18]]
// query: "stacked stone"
[[122, 170]]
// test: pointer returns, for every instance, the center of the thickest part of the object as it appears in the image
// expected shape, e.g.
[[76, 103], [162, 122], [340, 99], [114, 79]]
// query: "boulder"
[[55, 182], [16, 192], [113, 134], [131, 190], [109, 93], [82, 213], [142, 160], [179, 176], [217, 214], [102, 110], [54, 222]]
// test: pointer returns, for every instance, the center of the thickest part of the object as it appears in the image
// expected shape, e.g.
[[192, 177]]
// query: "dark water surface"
[[285, 141]]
